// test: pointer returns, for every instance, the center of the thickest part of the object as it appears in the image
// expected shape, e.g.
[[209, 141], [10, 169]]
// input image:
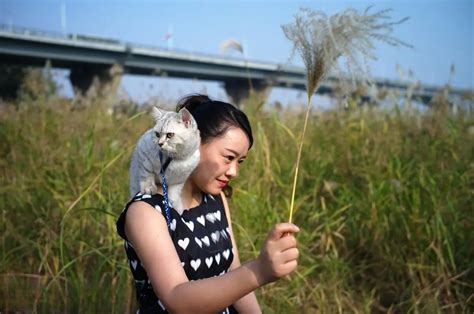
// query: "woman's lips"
[[222, 183]]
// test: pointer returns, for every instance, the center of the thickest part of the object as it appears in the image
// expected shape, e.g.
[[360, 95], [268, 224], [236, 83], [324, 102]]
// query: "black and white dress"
[[202, 240]]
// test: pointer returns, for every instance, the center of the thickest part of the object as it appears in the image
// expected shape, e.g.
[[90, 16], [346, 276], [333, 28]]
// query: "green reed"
[[385, 209], [384, 205]]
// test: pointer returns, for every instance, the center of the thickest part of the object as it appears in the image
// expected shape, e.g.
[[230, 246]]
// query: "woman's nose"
[[232, 170]]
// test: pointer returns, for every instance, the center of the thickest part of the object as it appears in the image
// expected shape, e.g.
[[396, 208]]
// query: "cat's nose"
[[160, 143]]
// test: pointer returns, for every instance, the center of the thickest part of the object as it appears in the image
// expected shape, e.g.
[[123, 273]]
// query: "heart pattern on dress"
[[224, 234], [198, 241], [190, 224], [173, 225], [205, 240], [209, 261], [196, 263], [215, 236], [211, 217], [226, 254], [201, 220], [183, 243]]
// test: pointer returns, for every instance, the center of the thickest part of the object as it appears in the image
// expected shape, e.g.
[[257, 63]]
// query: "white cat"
[[176, 135]]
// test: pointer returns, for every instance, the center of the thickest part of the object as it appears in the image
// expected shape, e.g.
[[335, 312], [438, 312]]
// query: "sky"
[[440, 31]]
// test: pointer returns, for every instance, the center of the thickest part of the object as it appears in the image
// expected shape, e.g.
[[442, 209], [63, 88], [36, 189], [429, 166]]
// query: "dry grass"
[[384, 204]]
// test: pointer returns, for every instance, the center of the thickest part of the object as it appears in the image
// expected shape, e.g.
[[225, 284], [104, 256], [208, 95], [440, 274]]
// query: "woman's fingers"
[[290, 255], [290, 266], [281, 229], [287, 242], [279, 253]]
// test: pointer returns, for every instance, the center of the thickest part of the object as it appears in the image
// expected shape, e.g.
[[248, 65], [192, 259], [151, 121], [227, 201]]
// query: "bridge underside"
[[97, 64], [104, 80], [97, 70]]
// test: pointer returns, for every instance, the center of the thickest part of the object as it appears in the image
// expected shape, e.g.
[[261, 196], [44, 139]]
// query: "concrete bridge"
[[104, 61]]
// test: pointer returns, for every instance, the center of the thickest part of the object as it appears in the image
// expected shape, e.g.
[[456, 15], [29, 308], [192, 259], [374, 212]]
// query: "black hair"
[[214, 118]]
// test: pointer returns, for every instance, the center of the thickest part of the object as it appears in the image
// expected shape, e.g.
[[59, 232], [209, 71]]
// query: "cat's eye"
[[157, 134], [169, 135]]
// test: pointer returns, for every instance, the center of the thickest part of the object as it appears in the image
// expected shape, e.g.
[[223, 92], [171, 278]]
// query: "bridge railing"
[[85, 38]]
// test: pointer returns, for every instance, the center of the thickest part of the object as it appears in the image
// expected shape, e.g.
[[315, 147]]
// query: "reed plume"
[[321, 40]]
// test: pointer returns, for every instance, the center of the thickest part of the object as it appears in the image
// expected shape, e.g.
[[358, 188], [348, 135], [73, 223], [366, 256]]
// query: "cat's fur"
[[177, 136]]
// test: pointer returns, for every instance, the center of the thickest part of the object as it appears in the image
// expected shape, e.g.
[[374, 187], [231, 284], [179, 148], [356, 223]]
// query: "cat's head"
[[176, 133]]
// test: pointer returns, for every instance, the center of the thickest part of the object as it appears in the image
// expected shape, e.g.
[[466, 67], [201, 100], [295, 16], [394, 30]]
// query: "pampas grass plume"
[[321, 40]]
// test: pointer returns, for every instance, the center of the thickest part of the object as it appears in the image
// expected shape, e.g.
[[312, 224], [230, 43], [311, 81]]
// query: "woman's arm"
[[147, 231], [248, 303]]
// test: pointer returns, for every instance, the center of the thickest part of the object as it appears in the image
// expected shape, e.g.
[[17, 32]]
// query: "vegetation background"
[[384, 202]]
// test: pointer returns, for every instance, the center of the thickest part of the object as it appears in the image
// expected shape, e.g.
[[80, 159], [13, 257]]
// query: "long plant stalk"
[[300, 148], [321, 40]]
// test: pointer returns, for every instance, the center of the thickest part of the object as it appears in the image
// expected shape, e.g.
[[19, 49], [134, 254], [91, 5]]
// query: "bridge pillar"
[[240, 89], [96, 81], [11, 80]]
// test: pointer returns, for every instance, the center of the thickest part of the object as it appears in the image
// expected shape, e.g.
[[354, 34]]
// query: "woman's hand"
[[279, 254]]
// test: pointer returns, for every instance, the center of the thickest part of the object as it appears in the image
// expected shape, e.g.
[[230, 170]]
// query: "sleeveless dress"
[[201, 238]]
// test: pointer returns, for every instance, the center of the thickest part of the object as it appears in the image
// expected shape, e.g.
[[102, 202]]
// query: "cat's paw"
[[148, 187]]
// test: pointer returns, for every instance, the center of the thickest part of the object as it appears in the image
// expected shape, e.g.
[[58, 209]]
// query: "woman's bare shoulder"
[[142, 217]]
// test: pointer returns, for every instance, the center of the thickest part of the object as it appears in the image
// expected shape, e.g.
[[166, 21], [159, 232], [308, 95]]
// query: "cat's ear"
[[186, 117], [157, 113]]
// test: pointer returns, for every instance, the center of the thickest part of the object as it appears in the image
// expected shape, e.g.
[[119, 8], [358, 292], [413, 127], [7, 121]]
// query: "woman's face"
[[220, 159]]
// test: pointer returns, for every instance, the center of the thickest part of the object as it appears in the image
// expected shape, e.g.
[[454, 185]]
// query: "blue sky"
[[441, 31]]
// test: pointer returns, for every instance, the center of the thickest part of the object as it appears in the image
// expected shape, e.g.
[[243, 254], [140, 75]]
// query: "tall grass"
[[384, 204], [385, 209], [63, 183]]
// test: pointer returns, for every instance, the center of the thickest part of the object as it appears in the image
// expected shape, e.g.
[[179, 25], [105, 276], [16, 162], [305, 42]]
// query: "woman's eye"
[[157, 134], [230, 158], [169, 135]]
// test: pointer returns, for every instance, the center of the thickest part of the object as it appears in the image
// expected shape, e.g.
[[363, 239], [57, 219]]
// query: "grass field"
[[384, 200]]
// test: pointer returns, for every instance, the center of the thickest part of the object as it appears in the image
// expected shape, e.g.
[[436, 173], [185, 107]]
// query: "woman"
[[193, 266]]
